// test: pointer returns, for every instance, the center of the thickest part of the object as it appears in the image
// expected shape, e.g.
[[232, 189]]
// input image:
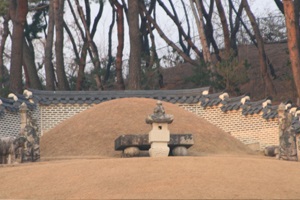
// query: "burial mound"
[[93, 131]]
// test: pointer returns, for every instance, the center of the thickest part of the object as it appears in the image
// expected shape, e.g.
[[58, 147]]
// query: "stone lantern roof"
[[159, 115]]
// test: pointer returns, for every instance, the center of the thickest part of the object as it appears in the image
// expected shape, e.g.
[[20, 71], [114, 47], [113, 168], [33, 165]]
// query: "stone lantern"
[[159, 136]]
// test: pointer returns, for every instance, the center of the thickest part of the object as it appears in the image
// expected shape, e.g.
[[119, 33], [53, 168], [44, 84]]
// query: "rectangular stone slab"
[[141, 141]]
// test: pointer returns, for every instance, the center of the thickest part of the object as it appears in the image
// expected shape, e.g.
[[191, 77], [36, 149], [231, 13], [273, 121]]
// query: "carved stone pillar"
[[23, 115]]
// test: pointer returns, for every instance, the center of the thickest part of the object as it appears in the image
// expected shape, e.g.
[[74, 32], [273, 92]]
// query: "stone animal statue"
[[31, 151], [9, 148]]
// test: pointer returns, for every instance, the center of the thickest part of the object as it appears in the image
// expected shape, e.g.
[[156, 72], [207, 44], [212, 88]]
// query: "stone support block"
[[131, 152], [180, 151]]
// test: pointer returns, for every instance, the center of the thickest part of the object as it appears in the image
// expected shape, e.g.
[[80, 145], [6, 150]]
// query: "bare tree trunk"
[[95, 59], [270, 89], [145, 54], [49, 70], [59, 43], [134, 82], [208, 27], [4, 36], [293, 38], [188, 25], [97, 18], [297, 13], [110, 57], [18, 12], [200, 26], [119, 62], [224, 23], [29, 64], [27, 79], [280, 5], [234, 26], [80, 73], [81, 66]]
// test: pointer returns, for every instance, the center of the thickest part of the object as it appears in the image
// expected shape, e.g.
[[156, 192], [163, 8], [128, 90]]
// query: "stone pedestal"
[[159, 136]]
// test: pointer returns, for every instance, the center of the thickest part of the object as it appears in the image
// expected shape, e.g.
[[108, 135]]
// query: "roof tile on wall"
[[184, 96]]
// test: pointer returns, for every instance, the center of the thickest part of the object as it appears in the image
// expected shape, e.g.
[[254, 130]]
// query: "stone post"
[[23, 115], [159, 136]]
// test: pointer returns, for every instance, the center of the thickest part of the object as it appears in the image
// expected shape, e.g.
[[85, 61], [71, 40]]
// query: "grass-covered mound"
[[92, 132]]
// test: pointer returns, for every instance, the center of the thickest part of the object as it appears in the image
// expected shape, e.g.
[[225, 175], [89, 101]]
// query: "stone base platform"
[[141, 141]]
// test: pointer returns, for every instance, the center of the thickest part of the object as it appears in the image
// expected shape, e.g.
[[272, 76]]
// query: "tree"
[[89, 38], [59, 45], [270, 88], [109, 53], [224, 23], [18, 11], [198, 15], [6, 19], [208, 27], [120, 23], [135, 46], [293, 40], [32, 31], [234, 25], [49, 69]]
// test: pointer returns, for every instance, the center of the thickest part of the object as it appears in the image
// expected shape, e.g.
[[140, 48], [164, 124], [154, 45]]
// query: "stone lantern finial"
[[159, 115]]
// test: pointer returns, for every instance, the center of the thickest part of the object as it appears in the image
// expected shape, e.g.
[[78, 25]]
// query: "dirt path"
[[219, 177]]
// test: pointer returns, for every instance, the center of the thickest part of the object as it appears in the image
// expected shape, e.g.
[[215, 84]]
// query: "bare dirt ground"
[[204, 177], [219, 166]]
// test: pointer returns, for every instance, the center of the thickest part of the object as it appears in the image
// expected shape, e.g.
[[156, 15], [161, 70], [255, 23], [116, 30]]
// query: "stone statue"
[[287, 139], [31, 151], [29, 130], [159, 115], [10, 148]]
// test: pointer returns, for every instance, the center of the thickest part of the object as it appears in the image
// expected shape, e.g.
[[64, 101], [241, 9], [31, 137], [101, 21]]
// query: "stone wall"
[[10, 124], [252, 130], [52, 115]]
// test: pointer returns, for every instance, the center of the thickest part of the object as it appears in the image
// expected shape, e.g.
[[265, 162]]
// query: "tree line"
[[25, 21]]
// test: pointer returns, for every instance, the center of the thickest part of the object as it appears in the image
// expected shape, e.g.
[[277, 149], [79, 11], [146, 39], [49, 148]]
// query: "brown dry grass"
[[92, 132]]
